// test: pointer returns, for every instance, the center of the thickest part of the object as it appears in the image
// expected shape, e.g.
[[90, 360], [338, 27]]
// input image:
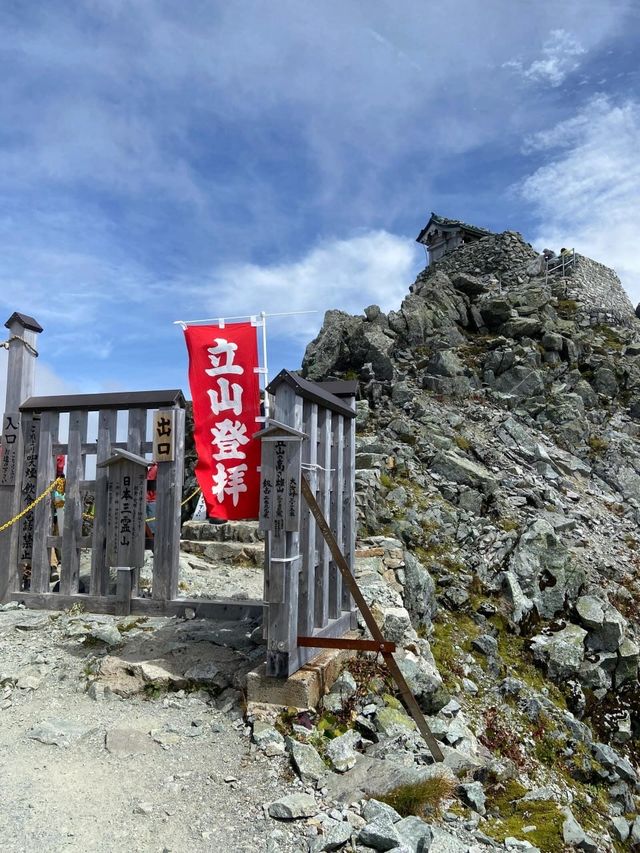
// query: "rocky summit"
[[498, 497]]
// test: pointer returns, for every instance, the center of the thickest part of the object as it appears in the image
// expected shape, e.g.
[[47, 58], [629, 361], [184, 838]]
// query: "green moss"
[[462, 442], [515, 816], [508, 524], [611, 339], [597, 445], [518, 662], [450, 641], [567, 306]]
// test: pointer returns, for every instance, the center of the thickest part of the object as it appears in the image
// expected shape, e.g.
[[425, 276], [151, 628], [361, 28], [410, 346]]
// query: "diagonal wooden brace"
[[370, 622]]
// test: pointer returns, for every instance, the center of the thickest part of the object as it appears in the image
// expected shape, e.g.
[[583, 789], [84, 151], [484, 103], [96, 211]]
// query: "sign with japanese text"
[[28, 491], [226, 405], [163, 436], [9, 449], [126, 510], [280, 485]]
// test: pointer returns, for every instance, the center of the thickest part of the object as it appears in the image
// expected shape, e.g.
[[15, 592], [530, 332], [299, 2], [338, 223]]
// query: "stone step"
[[231, 531], [236, 553]]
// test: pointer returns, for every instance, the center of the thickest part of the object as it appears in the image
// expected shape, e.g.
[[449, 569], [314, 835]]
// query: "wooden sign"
[[280, 485], [163, 436], [126, 509], [29, 486], [9, 449]]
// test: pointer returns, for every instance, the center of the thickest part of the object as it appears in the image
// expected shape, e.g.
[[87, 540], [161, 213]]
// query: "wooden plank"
[[321, 616], [70, 568], [306, 583], [166, 550], [119, 400], [336, 510], [28, 491], [124, 578], [224, 609], [371, 623], [136, 430], [301, 655], [349, 504], [91, 447], [317, 642], [136, 436], [107, 426], [42, 514]]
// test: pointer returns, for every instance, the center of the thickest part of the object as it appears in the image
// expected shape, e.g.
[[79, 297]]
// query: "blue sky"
[[171, 160]]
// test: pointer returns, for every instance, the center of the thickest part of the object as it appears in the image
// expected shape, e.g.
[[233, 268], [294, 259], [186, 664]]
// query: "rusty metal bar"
[[372, 625], [346, 643]]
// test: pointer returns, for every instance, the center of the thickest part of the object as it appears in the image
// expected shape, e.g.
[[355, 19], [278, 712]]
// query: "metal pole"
[[265, 366]]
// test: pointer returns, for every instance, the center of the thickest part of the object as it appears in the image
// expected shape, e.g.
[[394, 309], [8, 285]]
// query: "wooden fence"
[[304, 594], [305, 597]]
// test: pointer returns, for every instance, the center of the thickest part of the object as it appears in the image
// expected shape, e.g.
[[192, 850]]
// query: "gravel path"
[[173, 773]]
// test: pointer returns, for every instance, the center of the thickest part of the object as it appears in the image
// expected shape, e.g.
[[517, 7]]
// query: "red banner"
[[226, 402]]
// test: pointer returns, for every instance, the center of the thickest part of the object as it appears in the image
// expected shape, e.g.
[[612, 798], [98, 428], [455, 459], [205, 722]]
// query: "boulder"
[[520, 381], [458, 469], [544, 569], [329, 351], [562, 652], [293, 807]]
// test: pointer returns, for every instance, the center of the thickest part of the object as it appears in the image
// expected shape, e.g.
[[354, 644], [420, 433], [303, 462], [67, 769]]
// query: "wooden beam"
[[346, 643], [372, 625]]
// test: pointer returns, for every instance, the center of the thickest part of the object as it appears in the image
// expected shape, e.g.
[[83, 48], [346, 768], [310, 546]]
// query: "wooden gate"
[[154, 424], [304, 594]]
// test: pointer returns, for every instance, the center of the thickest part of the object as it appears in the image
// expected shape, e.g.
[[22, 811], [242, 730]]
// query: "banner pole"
[[265, 366]]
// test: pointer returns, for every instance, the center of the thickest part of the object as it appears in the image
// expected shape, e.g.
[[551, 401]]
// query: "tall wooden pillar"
[[23, 332]]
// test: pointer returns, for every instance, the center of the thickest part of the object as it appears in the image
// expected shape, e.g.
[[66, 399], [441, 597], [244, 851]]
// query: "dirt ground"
[[159, 771]]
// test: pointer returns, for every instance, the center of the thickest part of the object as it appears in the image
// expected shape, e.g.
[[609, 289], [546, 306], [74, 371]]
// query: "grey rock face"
[[306, 760], [381, 834], [330, 350], [463, 471], [543, 568], [415, 834], [563, 652]]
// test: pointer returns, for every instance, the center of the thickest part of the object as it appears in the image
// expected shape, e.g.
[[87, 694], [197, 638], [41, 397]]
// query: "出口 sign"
[[163, 436]]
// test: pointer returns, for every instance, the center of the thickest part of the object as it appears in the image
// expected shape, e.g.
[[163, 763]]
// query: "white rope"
[[310, 466]]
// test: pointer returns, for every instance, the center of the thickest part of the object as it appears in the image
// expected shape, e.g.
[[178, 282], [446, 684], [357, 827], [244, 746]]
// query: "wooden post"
[[23, 332], [307, 586], [284, 566], [321, 616], [166, 549], [349, 506], [107, 422], [124, 576], [40, 565], [72, 528]]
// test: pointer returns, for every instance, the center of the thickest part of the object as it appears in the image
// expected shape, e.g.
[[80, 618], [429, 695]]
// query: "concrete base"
[[306, 687]]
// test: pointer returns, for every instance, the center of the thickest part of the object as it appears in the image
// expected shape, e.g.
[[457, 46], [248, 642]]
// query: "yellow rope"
[[27, 509], [185, 501]]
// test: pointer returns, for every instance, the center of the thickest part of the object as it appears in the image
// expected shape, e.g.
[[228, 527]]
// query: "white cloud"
[[559, 58], [375, 267], [586, 194]]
